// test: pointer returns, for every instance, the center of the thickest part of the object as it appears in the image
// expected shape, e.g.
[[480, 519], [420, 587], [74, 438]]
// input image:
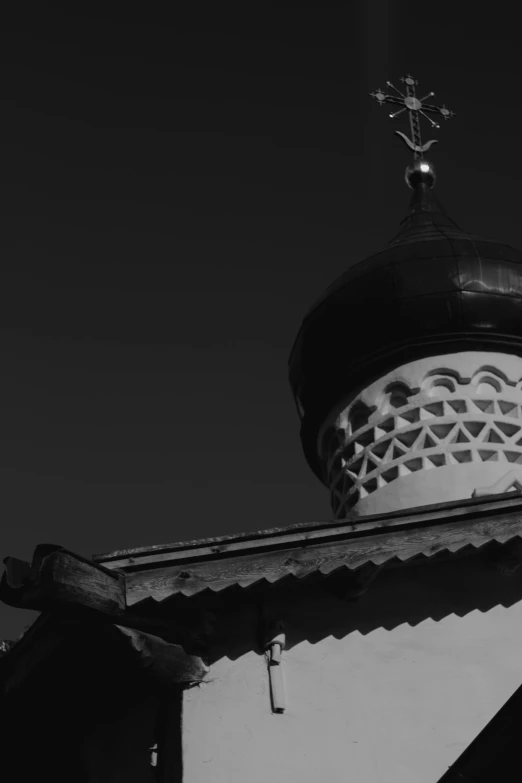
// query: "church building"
[[383, 645]]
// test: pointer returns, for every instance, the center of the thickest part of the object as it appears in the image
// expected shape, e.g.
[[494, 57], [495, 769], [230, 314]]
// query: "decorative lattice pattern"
[[413, 437]]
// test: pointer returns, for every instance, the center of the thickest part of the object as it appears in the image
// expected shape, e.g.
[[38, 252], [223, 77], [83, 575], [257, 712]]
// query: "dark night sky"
[[175, 194]]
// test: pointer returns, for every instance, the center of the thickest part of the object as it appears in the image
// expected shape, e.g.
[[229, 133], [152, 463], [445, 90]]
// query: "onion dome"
[[434, 289]]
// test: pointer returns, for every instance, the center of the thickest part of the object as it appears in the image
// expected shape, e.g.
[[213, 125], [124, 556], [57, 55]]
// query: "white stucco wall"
[[390, 706]]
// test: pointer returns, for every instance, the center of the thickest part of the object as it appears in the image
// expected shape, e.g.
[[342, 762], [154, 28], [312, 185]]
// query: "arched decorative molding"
[[488, 369], [396, 395], [440, 385], [486, 383]]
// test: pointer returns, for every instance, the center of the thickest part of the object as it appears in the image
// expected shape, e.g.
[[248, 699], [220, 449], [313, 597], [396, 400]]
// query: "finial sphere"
[[421, 171]]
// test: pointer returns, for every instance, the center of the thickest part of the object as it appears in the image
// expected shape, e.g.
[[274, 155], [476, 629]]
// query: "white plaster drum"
[[438, 429]]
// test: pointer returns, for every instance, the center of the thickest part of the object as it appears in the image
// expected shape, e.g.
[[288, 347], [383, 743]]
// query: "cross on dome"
[[414, 106]]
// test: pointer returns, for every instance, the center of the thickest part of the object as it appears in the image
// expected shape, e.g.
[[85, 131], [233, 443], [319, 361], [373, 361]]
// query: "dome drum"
[[433, 290], [443, 427]]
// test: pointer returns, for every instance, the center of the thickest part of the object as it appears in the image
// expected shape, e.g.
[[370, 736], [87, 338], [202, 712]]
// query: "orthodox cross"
[[414, 106]]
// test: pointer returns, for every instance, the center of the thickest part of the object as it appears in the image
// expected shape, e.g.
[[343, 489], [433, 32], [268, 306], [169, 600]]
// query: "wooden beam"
[[351, 552], [57, 576], [168, 663], [215, 548]]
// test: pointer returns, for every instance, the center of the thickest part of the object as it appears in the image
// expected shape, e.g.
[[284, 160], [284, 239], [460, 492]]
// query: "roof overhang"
[[356, 544], [119, 595]]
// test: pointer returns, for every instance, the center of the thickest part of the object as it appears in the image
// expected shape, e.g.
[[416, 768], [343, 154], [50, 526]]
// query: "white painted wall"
[[391, 706]]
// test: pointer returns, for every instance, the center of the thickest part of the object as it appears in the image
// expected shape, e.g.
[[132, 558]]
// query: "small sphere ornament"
[[421, 172]]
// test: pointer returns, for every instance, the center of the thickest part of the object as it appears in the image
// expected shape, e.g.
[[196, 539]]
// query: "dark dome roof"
[[433, 289]]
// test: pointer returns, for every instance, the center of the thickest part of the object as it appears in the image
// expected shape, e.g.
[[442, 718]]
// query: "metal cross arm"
[[415, 107], [382, 97], [429, 108]]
